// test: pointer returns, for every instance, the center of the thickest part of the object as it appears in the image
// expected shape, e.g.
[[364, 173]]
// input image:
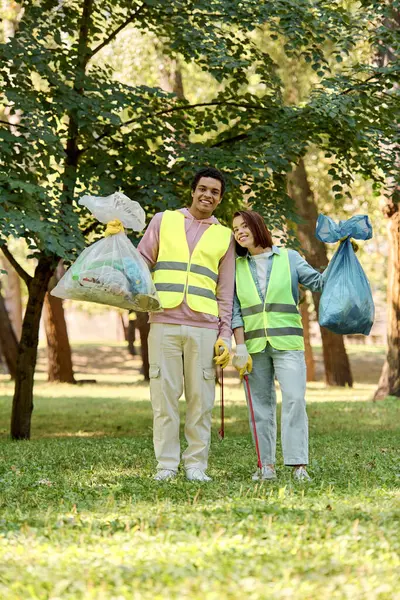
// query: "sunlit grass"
[[81, 517]]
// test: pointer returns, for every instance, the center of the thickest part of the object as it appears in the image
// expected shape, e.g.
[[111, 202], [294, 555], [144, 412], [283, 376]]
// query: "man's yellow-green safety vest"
[[277, 319], [177, 273]]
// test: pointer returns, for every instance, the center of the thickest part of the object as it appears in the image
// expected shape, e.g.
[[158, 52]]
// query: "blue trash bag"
[[346, 305]]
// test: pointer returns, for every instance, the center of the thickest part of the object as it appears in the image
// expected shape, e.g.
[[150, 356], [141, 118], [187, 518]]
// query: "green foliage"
[[81, 130]]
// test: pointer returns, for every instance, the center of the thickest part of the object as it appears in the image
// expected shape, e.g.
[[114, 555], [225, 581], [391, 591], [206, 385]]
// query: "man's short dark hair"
[[209, 172]]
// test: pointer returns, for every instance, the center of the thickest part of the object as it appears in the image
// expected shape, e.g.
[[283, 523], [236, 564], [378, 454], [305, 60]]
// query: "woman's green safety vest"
[[277, 319]]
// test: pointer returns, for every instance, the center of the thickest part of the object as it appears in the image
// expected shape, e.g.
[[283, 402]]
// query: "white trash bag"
[[111, 271]]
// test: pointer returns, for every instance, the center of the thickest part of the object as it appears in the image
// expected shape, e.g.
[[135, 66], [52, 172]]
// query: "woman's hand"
[[242, 360]]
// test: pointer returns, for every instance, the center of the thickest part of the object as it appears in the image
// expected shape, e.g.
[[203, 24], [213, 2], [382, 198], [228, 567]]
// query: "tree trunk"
[[27, 351], [13, 299], [3, 364], [305, 317], [144, 328], [389, 382], [336, 361], [13, 12], [59, 359], [8, 340], [171, 76], [131, 332]]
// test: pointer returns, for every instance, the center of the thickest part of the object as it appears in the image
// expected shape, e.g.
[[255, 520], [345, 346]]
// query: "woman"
[[268, 331]]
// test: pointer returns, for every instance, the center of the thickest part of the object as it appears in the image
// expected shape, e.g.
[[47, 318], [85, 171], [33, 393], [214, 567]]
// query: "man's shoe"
[[266, 473], [196, 474], [165, 474], [300, 474]]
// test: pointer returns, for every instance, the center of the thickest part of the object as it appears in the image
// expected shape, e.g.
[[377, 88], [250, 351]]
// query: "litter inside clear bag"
[[346, 305], [111, 271]]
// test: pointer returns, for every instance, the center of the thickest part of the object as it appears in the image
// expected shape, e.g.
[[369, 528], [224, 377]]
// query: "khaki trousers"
[[181, 358]]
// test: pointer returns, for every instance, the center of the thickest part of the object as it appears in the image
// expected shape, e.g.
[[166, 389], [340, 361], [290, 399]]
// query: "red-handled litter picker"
[[221, 432], [259, 463]]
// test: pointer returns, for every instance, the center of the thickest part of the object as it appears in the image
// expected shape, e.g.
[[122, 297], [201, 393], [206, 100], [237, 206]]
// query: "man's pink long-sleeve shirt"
[[182, 314]]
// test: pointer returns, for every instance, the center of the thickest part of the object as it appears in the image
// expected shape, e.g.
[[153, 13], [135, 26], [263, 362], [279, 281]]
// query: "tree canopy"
[[80, 130]]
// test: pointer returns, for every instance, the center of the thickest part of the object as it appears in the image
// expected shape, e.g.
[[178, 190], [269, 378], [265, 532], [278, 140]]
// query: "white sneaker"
[[164, 474], [301, 474], [196, 474], [265, 473]]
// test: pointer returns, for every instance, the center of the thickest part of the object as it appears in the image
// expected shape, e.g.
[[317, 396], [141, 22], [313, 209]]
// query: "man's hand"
[[221, 349], [242, 360]]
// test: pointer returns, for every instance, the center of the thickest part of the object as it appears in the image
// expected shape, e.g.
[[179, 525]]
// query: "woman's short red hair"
[[255, 222]]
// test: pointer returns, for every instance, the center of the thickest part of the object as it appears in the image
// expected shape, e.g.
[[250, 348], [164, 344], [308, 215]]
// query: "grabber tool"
[[221, 432], [253, 420]]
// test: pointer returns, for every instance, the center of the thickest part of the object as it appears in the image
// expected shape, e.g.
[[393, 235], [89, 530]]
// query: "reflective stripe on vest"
[[195, 275], [277, 320]]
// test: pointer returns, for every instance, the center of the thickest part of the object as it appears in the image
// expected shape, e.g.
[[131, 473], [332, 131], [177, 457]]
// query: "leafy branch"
[[361, 84], [20, 270], [213, 103], [116, 31], [13, 124], [110, 130]]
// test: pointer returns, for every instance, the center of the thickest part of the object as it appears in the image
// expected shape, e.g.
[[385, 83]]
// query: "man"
[[193, 262]]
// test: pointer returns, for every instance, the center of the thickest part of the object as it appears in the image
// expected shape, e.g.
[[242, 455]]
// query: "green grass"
[[81, 517]]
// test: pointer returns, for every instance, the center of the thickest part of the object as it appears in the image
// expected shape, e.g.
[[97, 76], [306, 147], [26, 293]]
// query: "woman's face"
[[242, 233]]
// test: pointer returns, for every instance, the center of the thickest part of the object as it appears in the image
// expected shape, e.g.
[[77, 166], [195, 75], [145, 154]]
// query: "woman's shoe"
[[266, 473], [301, 474]]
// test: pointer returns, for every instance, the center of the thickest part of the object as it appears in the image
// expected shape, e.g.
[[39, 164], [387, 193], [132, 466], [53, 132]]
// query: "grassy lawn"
[[81, 517]]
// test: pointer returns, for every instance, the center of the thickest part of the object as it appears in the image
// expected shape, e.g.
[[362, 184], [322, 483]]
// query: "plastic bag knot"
[[114, 227], [353, 242]]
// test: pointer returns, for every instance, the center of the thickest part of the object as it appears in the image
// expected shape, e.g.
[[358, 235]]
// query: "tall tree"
[[336, 362], [389, 382], [59, 356]]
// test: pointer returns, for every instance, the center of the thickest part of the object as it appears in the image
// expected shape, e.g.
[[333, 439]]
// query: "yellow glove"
[[242, 360], [221, 350]]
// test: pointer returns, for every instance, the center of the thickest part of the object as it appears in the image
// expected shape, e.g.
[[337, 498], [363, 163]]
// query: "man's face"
[[206, 196]]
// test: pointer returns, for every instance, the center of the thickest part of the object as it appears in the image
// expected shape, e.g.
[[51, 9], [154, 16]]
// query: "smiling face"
[[242, 233], [206, 197]]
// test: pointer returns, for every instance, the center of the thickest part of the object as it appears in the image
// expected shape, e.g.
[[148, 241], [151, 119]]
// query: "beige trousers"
[[181, 358]]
